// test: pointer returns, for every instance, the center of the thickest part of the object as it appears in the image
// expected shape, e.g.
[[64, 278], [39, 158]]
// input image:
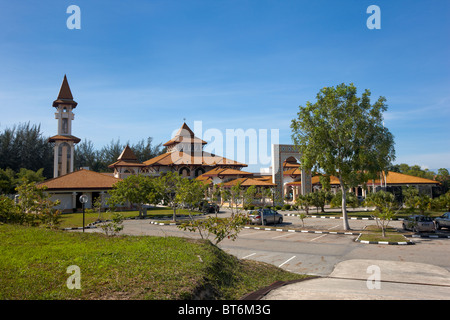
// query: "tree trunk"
[[344, 205], [174, 214]]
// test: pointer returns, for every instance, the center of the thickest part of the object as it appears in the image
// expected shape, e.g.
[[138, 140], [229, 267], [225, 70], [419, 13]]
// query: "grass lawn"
[[70, 220], [34, 262], [373, 233]]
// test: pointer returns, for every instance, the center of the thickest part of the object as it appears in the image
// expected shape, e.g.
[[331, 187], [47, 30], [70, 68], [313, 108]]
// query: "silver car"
[[442, 221], [418, 223], [265, 215]]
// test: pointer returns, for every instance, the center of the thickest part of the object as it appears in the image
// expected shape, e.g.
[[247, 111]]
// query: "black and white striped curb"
[[384, 242], [303, 231], [432, 236], [336, 217], [164, 224]]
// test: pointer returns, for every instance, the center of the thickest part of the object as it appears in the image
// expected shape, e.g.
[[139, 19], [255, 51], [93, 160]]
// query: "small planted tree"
[[189, 193], [305, 201], [35, 206], [414, 200], [220, 228], [166, 187], [385, 208], [114, 226]]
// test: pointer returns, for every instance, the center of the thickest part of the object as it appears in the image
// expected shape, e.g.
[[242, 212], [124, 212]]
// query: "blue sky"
[[137, 68]]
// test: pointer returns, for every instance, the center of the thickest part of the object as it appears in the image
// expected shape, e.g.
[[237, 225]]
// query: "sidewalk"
[[352, 280]]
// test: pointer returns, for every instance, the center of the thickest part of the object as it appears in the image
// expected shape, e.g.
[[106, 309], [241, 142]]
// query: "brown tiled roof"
[[121, 163], [80, 180], [127, 159], [205, 180], [400, 178], [292, 172], [65, 95], [64, 138], [392, 178], [218, 172], [247, 182], [184, 134], [182, 158], [264, 178]]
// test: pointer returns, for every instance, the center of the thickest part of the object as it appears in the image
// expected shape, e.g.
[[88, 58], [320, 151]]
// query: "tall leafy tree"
[[343, 135], [24, 146], [135, 189], [167, 186]]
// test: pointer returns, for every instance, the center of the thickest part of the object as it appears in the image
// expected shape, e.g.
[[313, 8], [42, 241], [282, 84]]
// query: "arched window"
[[199, 172], [184, 172]]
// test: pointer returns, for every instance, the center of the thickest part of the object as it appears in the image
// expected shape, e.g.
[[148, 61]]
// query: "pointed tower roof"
[[127, 155], [127, 159], [184, 134], [65, 95]]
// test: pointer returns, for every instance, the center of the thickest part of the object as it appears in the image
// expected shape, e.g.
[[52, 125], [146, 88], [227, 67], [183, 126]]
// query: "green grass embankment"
[[34, 262]]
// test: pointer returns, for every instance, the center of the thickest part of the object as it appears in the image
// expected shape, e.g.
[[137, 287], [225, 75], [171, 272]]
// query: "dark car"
[[418, 223], [209, 207], [265, 216], [442, 221]]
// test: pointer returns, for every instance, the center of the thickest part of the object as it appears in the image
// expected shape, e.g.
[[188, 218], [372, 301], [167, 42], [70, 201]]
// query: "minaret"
[[64, 141]]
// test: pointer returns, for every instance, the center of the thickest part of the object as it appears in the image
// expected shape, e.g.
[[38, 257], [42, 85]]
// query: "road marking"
[[247, 234], [249, 255], [334, 227], [286, 261], [283, 235], [318, 237]]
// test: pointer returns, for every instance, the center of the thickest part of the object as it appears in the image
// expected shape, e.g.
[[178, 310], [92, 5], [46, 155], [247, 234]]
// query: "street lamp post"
[[83, 200]]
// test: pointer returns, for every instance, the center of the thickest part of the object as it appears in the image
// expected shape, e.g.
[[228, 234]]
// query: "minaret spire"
[[64, 141], [65, 95]]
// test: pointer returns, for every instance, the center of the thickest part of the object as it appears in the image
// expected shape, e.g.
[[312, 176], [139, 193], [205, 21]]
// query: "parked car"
[[442, 221], [418, 223], [265, 215], [209, 207]]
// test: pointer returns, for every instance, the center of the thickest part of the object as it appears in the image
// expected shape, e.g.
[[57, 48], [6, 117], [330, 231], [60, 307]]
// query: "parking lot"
[[315, 248]]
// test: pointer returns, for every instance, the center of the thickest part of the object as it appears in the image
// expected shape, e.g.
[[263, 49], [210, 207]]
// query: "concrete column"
[[74, 200], [55, 160]]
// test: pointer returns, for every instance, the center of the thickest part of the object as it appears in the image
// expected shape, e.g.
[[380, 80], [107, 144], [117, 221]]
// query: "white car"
[[418, 223], [265, 215]]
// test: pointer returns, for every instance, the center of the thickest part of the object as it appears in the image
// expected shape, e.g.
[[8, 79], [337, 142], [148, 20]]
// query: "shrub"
[[287, 207]]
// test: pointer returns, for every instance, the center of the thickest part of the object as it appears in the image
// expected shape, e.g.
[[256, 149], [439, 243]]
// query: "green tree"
[[320, 199], [24, 146], [136, 189], [7, 181], [444, 201], [444, 178], [190, 193], [35, 206], [385, 208], [166, 187], [249, 196], [221, 228], [236, 198], [305, 201], [343, 135]]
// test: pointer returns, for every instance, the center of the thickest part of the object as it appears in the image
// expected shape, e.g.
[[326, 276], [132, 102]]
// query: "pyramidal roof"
[[184, 134], [127, 159], [127, 155], [65, 95]]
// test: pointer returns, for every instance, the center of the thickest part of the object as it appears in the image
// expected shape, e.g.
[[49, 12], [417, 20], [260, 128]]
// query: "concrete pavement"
[[371, 280]]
